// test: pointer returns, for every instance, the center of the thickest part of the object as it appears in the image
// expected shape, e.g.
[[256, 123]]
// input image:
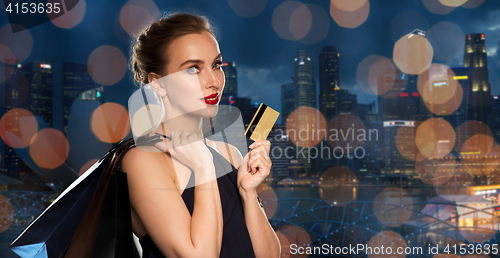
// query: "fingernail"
[[251, 145]]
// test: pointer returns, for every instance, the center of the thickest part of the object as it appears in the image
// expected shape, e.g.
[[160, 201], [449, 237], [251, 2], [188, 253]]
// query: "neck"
[[190, 123]]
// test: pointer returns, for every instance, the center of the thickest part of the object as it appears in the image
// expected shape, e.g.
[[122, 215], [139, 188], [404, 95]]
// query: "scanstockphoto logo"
[[25, 14], [341, 142]]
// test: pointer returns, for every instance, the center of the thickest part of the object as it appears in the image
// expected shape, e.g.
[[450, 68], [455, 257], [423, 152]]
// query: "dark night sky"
[[264, 60]]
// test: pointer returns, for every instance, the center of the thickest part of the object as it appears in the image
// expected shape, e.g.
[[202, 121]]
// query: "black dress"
[[236, 240]]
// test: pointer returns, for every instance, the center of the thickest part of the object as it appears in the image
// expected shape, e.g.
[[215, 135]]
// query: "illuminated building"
[[75, 80], [231, 86], [305, 94], [475, 58], [39, 100], [328, 80], [287, 101], [305, 85]]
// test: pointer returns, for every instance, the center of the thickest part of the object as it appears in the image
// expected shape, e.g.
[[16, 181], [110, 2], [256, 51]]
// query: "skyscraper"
[[305, 96], [39, 75], [346, 103], [287, 101], [231, 87], [16, 93], [75, 80], [495, 120], [328, 80], [29, 87], [305, 85], [475, 58]]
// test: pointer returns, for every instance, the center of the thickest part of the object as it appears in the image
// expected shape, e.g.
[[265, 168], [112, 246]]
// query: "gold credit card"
[[262, 123]]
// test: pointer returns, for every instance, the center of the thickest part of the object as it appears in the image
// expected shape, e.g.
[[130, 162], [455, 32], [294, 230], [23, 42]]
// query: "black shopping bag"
[[91, 218]]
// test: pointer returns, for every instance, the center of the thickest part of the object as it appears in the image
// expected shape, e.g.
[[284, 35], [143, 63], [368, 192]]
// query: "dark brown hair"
[[148, 52]]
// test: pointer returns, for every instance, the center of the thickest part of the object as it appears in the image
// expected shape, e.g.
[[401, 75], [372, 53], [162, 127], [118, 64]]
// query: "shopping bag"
[[90, 218]]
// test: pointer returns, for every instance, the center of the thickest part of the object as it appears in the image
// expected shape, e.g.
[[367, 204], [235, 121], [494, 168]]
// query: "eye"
[[218, 65], [192, 69]]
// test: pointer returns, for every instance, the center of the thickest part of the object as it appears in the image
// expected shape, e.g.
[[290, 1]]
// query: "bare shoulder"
[[143, 157]]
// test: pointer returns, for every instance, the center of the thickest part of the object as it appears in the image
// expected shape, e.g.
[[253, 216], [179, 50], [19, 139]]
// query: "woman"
[[203, 221]]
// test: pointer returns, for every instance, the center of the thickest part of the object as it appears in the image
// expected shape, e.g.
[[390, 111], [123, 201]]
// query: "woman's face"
[[195, 79]]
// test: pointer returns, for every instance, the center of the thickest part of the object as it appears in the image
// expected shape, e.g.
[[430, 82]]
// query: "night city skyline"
[[389, 126]]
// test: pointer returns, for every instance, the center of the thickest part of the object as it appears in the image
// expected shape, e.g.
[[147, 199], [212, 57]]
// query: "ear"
[[155, 84]]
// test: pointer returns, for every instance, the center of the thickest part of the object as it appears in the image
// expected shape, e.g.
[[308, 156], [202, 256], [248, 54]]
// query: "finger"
[[184, 137], [265, 143], [175, 139], [192, 138], [256, 166], [262, 150], [262, 167]]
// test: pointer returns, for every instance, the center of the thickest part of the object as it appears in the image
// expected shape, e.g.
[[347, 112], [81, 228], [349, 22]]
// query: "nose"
[[212, 80]]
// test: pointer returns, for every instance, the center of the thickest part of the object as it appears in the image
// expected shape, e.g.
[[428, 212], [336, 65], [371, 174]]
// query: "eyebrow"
[[199, 61]]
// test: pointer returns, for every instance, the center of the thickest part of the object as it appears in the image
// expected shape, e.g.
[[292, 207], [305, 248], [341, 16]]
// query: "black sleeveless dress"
[[236, 240]]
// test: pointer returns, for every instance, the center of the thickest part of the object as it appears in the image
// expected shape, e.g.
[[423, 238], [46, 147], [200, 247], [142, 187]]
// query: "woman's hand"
[[255, 167], [188, 149]]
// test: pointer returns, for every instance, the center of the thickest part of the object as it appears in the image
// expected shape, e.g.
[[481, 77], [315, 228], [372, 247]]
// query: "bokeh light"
[[6, 213], [300, 22], [437, 85], [346, 132], [320, 24], [268, 198], [436, 7], [285, 245], [453, 3], [405, 142], [136, 14], [70, 19], [413, 54], [387, 239], [469, 129], [449, 106], [407, 21], [435, 138], [446, 39], [281, 20], [363, 73], [50, 148], [107, 65], [348, 5], [472, 3], [247, 8], [17, 127], [87, 165], [393, 206], [382, 76], [436, 171], [19, 44], [110, 122], [306, 126], [338, 186], [6, 56], [479, 155], [350, 19], [296, 236]]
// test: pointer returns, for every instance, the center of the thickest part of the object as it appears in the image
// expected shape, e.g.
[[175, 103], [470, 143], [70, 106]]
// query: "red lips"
[[211, 99]]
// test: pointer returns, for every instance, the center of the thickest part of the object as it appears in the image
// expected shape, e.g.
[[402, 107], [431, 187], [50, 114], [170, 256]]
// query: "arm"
[[264, 240], [159, 205]]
